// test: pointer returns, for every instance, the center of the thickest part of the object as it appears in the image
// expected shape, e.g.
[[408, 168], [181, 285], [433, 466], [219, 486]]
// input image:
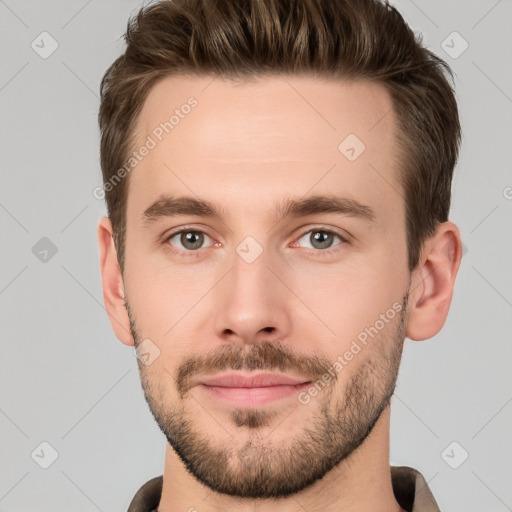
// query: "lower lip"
[[251, 397]]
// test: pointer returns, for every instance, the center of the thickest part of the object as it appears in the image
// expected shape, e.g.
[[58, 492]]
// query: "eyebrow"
[[168, 206]]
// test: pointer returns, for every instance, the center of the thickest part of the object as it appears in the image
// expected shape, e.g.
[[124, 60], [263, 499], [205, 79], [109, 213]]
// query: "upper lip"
[[237, 380]]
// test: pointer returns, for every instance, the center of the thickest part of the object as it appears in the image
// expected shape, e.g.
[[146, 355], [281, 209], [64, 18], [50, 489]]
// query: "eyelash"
[[197, 252]]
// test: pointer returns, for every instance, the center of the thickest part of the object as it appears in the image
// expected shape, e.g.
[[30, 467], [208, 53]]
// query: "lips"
[[246, 391], [237, 380]]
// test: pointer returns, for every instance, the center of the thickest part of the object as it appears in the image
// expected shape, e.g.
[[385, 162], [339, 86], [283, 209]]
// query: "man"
[[277, 175]]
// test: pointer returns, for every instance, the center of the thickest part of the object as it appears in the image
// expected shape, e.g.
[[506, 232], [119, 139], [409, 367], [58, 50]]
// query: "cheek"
[[168, 300], [349, 298]]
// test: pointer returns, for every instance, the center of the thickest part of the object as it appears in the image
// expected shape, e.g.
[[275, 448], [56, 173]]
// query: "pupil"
[[189, 239], [321, 236]]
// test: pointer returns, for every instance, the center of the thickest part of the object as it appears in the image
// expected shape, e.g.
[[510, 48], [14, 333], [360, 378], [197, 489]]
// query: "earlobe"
[[432, 283], [112, 282]]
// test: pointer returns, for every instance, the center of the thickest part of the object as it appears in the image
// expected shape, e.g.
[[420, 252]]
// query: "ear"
[[432, 282], [112, 280]]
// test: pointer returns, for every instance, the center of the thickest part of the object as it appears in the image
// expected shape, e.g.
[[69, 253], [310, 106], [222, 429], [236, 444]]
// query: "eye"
[[322, 239], [190, 240]]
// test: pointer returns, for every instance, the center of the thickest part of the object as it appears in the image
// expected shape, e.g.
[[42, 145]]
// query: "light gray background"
[[67, 381]]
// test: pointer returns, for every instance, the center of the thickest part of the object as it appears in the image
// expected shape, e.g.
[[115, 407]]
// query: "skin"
[[248, 146]]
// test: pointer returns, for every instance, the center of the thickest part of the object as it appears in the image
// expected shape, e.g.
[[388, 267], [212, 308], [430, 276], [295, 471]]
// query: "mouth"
[[251, 390]]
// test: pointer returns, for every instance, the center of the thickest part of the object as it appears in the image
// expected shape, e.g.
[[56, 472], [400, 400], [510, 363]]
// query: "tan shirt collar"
[[410, 489]]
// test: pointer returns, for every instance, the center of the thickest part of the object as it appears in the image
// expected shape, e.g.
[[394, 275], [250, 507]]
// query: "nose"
[[251, 303]]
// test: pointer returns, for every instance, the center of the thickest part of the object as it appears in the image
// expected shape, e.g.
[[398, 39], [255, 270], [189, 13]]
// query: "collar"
[[410, 488]]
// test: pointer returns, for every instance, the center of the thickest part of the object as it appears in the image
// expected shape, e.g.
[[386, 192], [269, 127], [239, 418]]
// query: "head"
[[274, 121]]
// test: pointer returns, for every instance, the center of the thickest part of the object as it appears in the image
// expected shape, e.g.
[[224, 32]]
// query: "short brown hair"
[[346, 39]]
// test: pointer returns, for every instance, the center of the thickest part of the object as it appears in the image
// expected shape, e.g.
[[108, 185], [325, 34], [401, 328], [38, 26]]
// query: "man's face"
[[252, 292]]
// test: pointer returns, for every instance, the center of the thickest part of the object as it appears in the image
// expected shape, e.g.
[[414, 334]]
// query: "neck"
[[361, 482]]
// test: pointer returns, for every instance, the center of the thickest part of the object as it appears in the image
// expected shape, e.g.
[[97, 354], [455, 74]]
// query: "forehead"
[[220, 140], [266, 106]]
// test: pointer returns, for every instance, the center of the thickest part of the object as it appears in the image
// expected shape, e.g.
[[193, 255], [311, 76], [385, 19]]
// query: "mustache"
[[269, 356]]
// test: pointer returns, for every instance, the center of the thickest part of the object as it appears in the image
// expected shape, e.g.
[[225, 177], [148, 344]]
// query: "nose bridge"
[[249, 276], [250, 298]]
